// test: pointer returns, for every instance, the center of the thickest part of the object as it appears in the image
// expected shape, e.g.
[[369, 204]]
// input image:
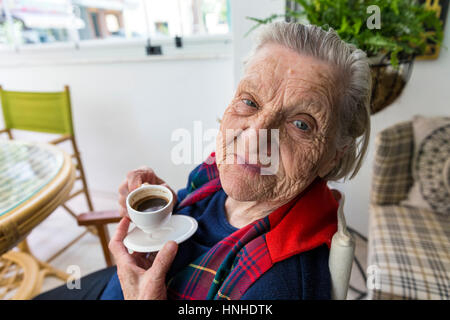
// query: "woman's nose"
[[261, 132], [266, 120]]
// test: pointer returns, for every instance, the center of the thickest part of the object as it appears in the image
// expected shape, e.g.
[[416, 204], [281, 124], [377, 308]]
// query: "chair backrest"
[[48, 112], [342, 252], [392, 177]]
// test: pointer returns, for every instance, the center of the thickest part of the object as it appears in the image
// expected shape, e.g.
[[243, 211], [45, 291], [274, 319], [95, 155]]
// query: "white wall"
[[125, 112], [240, 10]]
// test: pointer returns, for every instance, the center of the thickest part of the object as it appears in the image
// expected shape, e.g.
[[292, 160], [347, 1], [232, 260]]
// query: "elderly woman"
[[260, 236]]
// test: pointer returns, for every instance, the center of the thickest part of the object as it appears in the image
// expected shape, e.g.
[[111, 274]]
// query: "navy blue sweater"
[[303, 276]]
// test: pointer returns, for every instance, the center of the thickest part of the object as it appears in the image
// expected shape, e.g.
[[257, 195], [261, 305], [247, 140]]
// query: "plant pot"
[[388, 82]]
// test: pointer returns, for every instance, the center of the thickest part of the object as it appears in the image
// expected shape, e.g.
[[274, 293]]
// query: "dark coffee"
[[150, 204]]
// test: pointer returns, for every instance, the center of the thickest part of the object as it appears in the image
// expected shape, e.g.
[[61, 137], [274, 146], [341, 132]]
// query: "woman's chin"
[[241, 184], [239, 194]]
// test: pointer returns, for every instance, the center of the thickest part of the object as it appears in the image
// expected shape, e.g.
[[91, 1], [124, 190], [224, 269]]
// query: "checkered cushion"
[[409, 249], [392, 177]]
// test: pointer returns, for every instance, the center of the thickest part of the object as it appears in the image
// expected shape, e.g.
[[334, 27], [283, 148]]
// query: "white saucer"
[[178, 229]]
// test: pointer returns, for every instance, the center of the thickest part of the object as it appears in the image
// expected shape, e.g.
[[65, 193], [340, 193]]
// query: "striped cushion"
[[410, 249]]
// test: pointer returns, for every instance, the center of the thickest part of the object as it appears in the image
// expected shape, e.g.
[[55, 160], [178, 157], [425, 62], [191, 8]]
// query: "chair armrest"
[[342, 252], [98, 218]]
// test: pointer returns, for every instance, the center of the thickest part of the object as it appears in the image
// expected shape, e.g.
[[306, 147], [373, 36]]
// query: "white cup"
[[153, 220]]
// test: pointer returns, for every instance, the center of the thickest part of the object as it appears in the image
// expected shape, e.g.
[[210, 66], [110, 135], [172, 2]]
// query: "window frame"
[[119, 42], [117, 51]]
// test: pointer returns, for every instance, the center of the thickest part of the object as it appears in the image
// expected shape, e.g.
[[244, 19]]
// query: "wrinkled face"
[[295, 96]]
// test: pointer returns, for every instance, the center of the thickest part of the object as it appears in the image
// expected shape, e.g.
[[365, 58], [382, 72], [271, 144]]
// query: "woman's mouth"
[[243, 163]]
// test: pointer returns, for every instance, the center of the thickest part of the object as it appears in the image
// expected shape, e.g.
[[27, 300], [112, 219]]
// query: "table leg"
[[46, 270]]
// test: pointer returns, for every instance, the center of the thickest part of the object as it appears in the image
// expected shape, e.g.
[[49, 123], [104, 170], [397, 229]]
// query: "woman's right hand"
[[134, 180]]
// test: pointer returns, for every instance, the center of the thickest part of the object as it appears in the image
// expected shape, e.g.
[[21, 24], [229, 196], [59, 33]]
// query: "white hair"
[[354, 98]]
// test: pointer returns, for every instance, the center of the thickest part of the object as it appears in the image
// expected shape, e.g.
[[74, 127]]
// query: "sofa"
[[408, 246]]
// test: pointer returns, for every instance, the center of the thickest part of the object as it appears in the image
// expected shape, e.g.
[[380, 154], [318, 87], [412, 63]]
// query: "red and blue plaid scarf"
[[230, 267]]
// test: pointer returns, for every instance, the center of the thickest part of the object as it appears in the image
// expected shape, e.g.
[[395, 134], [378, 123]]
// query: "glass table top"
[[25, 168]]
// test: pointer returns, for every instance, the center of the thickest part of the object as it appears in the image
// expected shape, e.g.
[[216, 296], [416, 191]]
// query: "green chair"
[[50, 112]]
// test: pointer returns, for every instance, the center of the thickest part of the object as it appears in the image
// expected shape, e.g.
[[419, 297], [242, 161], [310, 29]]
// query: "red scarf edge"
[[295, 232]]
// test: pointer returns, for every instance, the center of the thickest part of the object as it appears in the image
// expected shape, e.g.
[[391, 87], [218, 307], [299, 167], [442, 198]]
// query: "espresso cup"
[[149, 221]]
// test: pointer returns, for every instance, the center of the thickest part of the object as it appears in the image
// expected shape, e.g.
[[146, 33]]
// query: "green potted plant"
[[406, 29]]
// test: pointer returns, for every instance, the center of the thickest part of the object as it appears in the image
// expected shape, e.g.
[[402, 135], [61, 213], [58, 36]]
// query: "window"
[[48, 21], [32, 21], [3, 26]]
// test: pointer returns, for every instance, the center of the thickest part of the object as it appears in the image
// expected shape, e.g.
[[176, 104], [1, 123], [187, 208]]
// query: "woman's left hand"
[[142, 276]]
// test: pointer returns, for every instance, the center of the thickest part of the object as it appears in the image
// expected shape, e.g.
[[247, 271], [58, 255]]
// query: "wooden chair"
[[50, 112], [100, 220]]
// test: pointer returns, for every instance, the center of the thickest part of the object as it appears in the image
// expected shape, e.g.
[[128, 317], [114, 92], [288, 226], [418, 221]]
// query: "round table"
[[35, 178]]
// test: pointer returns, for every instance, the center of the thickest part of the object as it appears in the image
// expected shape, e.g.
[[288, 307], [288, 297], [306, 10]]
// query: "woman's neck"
[[241, 213]]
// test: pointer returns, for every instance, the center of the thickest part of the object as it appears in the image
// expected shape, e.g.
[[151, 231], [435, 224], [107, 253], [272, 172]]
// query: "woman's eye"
[[302, 125], [250, 103]]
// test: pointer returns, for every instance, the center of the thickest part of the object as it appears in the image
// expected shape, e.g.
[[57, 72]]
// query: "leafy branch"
[[407, 27]]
